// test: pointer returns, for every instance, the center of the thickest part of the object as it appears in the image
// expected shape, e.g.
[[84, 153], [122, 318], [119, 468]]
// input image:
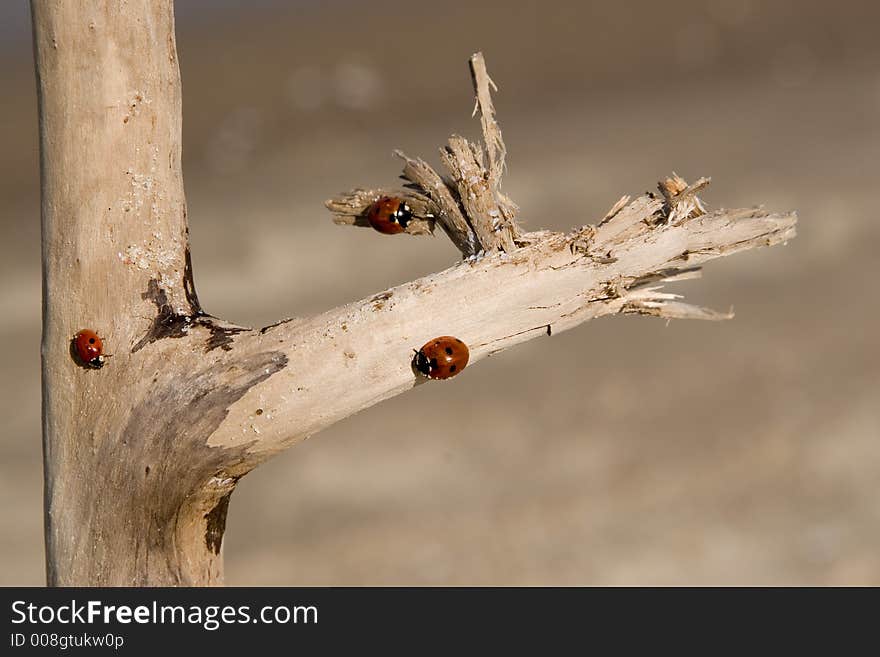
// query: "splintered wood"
[[448, 213], [681, 198], [462, 160], [469, 204], [480, 219], [496, 151]]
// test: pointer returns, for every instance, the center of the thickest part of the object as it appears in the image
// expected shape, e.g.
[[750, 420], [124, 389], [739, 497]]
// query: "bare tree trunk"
[[142, 455], [114, 219]]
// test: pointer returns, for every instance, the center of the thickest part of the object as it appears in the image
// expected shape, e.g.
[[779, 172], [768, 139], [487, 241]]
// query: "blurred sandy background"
[[627, 451]]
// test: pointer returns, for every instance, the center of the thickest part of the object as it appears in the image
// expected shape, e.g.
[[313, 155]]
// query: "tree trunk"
[[114, 218]]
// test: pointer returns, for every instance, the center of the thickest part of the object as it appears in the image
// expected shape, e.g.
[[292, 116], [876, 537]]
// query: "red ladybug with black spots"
[[88, 349], [442, 358], [389, 215]]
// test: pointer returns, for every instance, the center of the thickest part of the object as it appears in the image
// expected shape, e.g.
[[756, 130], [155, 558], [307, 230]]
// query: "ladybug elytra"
[[88, 349], [442, 358], [389, 215]]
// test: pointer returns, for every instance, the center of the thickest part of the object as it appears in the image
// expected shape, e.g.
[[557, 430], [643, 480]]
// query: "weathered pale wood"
[[449, 213], [126, 468], [355, 356], [141, 456], [469, 204], [503, 224], [475, 193]]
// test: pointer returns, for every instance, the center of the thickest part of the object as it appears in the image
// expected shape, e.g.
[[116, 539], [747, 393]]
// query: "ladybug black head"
[[422, 363], [402, 215]]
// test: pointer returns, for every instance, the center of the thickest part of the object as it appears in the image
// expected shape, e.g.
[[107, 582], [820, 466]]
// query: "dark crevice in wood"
[[167, 323], [215, 524], [189, 286], [221, 336], [170, 324], [274, 325]]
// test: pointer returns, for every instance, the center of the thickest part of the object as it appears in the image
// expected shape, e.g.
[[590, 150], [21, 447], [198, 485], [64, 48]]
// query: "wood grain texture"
[[352, 357], [127, 470], [504, 225], [450, 214]]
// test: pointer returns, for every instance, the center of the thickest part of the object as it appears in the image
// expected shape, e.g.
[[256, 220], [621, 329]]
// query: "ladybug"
[[442, 358], [389, 215], [88, 349]]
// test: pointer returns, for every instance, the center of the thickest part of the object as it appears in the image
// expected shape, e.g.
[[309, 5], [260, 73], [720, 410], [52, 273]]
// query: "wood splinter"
[[469, 204]]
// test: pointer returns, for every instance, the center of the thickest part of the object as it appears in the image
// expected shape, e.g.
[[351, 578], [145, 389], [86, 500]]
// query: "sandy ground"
[[627, 451]]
